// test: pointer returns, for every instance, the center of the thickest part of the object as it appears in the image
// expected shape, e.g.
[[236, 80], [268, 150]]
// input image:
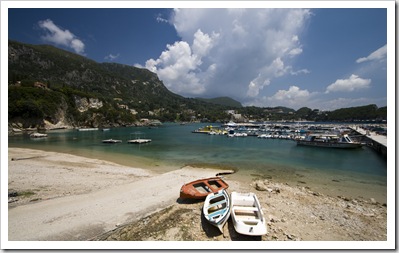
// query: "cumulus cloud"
[[256, 85], [61, 37], [179, 64], [354, 82], [230, 52], [160, 19], [293, 95], [111, 57], [379, 54]]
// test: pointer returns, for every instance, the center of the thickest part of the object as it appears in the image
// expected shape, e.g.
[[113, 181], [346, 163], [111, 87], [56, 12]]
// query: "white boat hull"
[[329, 141], [328, 144], [139, 141], [247, 214], [217, 208]]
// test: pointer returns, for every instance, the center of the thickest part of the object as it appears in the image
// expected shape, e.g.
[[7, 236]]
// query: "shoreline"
[[77, 198], [329, 182]]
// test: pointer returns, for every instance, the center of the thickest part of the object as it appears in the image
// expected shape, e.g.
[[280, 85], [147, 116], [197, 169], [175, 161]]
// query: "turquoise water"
[[175, 145]]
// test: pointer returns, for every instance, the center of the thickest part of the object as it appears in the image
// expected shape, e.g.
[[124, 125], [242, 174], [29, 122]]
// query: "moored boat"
[[217, 208], [38, 135], [111, 141], [201, 188], [329, 141], [247, 214], [87, 129], [139, 141]]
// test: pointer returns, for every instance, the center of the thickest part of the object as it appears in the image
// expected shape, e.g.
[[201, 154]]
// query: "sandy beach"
[[61, 197]]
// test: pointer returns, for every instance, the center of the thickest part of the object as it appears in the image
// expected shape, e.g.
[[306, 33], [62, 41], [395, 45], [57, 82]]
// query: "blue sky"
[[322, 58]]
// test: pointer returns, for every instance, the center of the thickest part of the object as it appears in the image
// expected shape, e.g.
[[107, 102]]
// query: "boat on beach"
[[329, 141], [111, 141], [216, 208], [247, 214], [201, 188]]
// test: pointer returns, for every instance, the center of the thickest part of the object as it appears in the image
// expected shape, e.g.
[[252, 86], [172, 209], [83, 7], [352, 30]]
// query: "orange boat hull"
[[199, 189]]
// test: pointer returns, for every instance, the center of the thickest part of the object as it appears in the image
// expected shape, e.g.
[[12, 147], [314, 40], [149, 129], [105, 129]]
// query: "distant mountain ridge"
[[227, 101]]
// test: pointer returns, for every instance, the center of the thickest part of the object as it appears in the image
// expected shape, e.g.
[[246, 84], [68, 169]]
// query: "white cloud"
[[379, 54], [293, 94], [178, 65], [111, 57], [294, 97], [160, 19], [295, 51], [354, 82], [256, 85], [61, 37], [230, 52], [298, 72]]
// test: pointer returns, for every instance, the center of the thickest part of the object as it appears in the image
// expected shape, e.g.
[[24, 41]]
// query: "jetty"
[[375, 140]]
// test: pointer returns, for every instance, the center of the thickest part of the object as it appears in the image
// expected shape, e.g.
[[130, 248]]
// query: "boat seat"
[[245, 208], [220, 212], [252, 221], [217, 203]]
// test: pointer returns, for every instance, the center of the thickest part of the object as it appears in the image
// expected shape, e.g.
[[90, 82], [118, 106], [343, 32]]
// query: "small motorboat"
[[217, 208], [200, 189], [38, 135], [138, 141], [247, 214], [329, 141], [112, 141]]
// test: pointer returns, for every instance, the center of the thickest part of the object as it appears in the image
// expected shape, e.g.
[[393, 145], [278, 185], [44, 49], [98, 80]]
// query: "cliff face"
[[51, 87]]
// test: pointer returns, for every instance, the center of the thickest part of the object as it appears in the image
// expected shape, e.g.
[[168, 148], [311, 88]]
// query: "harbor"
[[311, 134], [173, 145]]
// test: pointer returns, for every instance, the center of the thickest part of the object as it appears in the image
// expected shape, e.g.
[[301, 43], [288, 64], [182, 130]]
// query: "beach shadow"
[[188, 201], [210, 230], [240, 237]]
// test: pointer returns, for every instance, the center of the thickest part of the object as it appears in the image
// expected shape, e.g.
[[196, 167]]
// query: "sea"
[[354, 173]]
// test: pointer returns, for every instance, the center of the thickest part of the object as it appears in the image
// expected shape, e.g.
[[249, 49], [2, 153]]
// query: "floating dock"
[[376, 141]]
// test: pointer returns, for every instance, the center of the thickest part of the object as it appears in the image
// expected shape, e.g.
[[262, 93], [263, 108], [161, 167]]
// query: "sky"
[[321, 58]]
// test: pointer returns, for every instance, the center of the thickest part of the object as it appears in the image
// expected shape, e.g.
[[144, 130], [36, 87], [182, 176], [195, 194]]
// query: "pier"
[[377, 141]]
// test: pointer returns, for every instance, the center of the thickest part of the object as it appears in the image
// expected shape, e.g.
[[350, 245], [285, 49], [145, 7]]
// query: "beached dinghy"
[[201, 188], [217, 208], [247, 214]]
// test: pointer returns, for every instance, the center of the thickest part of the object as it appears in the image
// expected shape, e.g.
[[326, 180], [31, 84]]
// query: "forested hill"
[[222, 101], [50, 87], [47, 83]]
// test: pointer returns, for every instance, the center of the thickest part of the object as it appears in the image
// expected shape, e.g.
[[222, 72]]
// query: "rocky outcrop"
[[84, 104]]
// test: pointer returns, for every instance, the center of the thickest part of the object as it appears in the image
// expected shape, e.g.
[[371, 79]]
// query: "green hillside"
[[51, 86]]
